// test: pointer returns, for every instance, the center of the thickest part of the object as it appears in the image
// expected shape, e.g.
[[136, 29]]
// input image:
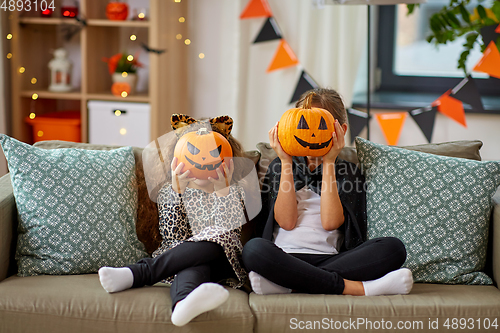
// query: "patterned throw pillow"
[[77, 208], [438, 206]]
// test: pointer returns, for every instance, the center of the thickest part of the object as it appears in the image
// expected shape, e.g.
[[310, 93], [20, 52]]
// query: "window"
[[407, 62]]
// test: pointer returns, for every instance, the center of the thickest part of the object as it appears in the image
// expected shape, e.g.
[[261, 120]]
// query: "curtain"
[[231, 78]]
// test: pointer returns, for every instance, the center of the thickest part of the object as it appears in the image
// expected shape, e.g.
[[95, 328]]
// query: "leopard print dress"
[[200, 216]]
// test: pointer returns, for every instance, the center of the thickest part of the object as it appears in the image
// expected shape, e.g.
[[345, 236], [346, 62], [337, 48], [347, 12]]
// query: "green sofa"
[[77, 303]]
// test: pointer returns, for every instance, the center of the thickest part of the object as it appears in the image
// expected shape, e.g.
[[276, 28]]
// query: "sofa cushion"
[[464, 149], [425, 304], [438, 206], [77, 208], [77, 303]]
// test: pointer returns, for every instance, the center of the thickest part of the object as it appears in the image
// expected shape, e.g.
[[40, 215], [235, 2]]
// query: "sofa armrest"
[[8, 219], [496, 237]]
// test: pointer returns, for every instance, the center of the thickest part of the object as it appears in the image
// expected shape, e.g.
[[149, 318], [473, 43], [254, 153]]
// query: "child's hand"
[[338, 143], [179, 181], [225, 175], [276, 145]]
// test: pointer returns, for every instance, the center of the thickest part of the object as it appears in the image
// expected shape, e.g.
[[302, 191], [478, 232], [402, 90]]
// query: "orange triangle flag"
[[490, 62], [256, 8], [451, 107], [391, 125], [284, 57], [497, 30]]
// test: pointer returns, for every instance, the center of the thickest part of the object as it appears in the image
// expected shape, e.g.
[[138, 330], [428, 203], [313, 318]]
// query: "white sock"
[[116, 279], [205, 297], [396, 282], [263, 286]]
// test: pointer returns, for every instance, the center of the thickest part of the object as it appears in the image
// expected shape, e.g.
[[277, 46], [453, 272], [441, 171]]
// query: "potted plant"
[[123, 69], [459, 19]]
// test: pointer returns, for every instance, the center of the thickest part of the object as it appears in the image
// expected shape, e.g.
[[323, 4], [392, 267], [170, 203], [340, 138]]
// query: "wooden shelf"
[[45, 94], [47, 20], [122, 24], [143, 98]]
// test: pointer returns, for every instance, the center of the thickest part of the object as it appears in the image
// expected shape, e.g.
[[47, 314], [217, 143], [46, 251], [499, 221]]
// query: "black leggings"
[[323, 273], [192, 263]]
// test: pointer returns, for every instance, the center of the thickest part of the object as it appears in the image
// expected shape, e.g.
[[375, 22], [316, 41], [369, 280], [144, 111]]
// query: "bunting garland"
[[269, 31], [391, 125], [489, 34], [306, 83], [467, 92], [451, 107], [490, 61], [425, 118], [357, 122], [449, 104], [256, 8], [284, 56]]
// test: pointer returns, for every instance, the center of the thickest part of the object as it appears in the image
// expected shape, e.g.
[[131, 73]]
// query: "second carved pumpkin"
[[202, 152], [306, 131]]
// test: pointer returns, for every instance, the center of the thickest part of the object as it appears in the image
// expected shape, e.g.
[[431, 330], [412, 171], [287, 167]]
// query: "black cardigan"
[[351, 187]]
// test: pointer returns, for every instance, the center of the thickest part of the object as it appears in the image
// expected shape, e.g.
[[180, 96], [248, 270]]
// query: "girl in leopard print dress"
[[200, 223]]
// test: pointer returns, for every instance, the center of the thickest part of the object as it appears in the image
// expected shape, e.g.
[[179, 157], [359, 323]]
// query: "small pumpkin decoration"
[[202, 152], [118, 88], [306, 131], [117, 11]]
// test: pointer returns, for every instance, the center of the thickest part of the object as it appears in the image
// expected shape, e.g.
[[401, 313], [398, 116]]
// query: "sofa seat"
[[425, 303], [78, 303]]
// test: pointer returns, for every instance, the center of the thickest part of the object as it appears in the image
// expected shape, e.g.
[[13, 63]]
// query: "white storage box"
[[119, 123]]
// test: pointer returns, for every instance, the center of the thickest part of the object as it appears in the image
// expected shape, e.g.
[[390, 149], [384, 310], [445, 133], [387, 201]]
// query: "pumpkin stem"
[[202, 131], [307, 104]]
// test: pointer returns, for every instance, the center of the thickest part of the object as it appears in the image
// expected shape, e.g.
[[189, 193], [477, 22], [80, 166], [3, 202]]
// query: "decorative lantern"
[[60, 71]]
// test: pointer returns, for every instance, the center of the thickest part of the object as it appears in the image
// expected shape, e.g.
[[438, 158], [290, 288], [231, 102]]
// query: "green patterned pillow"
[[438, 206], [77, 208]]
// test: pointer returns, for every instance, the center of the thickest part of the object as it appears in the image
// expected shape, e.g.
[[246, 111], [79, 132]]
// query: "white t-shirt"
[[308, 236]]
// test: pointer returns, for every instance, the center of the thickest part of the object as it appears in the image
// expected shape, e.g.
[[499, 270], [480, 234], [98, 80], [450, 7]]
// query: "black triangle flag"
[[489, 34], [269, 31], [425, 117], [305, 83], [466, 91], [357, 121]]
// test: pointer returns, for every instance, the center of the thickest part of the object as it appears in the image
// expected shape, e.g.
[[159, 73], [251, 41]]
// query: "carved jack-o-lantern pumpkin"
[[306, 131], [202, 152]]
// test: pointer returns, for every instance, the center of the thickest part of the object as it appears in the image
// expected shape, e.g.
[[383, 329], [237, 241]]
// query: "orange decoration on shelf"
[[391, 125], [119, 87], [490, 62], [117, 11], [283, 58], [256, 8]]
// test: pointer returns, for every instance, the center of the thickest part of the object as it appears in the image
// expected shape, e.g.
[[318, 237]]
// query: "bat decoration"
[[148, 49]]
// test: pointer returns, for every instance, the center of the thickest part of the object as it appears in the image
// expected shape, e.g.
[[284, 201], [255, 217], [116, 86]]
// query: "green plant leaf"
[[411, 8], [482, 12], [455, 22], [465, 14], [496, 9]]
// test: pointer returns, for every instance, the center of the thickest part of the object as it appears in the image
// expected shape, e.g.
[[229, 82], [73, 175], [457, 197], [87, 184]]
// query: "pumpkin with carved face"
[[202, 152], [306, 131]]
